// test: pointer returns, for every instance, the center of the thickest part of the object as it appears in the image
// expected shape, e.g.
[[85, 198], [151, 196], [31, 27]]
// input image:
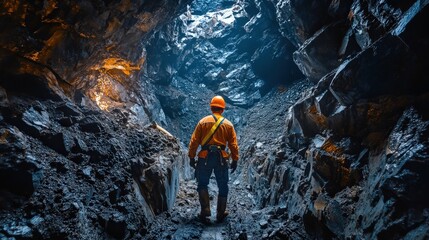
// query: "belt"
[[213, 148]]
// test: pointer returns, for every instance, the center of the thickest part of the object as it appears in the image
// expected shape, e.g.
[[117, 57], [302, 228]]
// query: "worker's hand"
[[192, 162], [233, 166]]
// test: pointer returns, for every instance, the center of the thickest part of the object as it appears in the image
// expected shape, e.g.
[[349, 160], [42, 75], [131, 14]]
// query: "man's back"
[[224, 135]]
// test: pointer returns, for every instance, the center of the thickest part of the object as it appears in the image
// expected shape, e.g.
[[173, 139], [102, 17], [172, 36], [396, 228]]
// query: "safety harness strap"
[[212, 130]]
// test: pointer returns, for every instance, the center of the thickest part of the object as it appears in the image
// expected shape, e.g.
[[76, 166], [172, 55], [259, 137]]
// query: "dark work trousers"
[[205, 167]]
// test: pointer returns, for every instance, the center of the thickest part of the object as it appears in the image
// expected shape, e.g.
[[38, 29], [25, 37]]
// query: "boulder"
[[60, 142], [35, 121], [90, 125], [25, 77], [12, 139], [370, 74], [69, 110], [298, 20], [19, 171], [318, 55], [79, 146], [66, 121], [158, 184]]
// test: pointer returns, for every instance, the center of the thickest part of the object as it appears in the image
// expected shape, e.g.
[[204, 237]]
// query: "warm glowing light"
[[11, 6], [119, 64], [101, 102], [109, 91], [34, 56]]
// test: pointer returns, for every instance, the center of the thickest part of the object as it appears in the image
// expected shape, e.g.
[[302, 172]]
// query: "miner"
[[213, 133]]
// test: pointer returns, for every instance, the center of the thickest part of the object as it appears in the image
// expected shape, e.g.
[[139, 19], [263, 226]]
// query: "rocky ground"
[[183, 223], [245, 220]]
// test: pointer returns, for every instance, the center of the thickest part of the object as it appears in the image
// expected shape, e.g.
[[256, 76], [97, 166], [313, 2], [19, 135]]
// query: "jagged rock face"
[[106, 178], [234, 50], [95, 46], [337, 171], [67, 169], [201, 7]]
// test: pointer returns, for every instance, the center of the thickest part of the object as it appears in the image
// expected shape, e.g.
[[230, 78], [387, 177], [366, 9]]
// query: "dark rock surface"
[[334, 172], [67, 169], [61, 182]]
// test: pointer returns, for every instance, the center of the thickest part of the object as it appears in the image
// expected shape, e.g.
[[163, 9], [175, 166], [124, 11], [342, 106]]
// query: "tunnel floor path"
[[182, 221]]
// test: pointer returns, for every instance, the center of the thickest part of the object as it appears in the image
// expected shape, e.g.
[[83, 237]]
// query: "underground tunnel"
[[328, 100]]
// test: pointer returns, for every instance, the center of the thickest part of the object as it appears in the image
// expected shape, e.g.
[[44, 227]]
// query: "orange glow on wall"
[[118, 64], [109, 92], [11, 6]]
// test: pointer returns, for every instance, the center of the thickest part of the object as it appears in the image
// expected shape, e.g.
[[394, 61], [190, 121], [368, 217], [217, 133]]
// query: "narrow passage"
[[182, 221]]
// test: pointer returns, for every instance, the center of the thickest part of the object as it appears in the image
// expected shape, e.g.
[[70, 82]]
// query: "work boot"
[[221, 209], [205, 205]]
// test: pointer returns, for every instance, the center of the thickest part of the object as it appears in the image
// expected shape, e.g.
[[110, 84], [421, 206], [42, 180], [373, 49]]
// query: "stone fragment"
[[66, 121], [36, 220], [315, 57], [91, 127], [263, 224], [58, 141], [35, 121], [87, 171], [79, 146], [19, 231], [68, 110]]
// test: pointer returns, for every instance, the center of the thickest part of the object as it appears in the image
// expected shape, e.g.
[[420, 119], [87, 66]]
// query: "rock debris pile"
[[67, 171]]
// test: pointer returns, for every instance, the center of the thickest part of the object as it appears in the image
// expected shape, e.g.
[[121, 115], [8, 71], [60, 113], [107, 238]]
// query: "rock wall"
[[68, 169], [97, 47], [229, 48], [353, 158]]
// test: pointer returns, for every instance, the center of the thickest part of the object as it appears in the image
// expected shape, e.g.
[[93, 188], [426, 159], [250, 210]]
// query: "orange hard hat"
[[218, 101]]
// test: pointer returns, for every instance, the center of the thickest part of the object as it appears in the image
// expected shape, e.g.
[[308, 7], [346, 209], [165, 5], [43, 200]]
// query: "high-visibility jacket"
[[224, 136]]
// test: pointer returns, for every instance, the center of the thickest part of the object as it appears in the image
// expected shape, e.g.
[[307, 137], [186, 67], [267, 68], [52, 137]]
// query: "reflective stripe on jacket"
[[224, 136]]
